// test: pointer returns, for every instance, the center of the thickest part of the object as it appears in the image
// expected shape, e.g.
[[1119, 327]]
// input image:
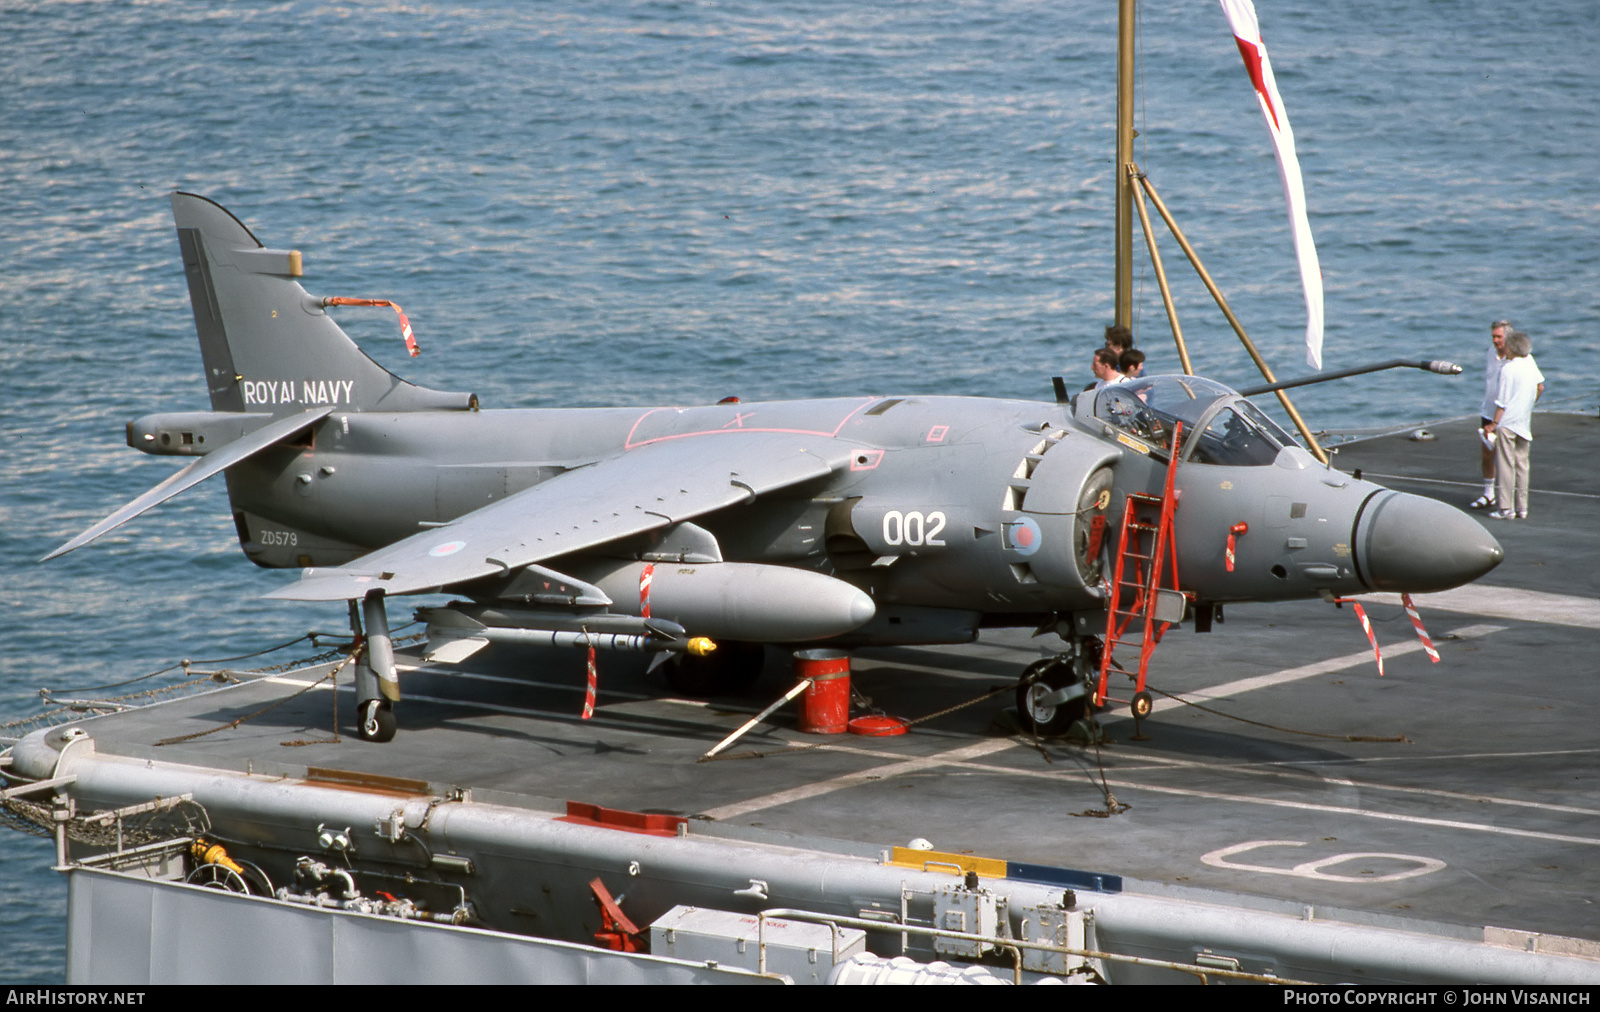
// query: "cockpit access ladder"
[[1145, 557]]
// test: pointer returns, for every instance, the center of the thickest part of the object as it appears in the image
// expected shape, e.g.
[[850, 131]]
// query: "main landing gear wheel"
[[1042, 678], [376, 721], [1142, 705], [729, 668]]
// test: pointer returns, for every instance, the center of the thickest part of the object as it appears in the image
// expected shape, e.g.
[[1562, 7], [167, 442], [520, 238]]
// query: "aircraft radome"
[[708, 531]]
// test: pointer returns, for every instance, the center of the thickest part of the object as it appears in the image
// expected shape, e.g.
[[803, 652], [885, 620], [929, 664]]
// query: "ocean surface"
[[666, 203]]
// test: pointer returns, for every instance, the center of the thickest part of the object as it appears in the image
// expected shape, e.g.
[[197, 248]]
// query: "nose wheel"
[[1038, 697]]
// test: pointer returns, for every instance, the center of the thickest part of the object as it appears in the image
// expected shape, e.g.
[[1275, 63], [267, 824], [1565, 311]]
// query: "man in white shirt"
[[1491, 389], [1521, 386], [1107, 369]]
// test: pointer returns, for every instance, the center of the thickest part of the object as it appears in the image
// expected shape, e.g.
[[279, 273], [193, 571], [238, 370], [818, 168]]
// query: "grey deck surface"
[[1492, 797]]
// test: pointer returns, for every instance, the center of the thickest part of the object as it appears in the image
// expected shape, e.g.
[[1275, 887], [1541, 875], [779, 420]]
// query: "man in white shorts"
[[1491, 389]]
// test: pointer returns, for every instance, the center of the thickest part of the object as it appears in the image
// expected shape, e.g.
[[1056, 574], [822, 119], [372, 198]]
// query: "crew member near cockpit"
[[1107, 368], [1131, 363]]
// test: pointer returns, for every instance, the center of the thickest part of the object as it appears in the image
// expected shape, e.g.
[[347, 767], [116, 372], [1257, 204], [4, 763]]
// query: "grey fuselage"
[[925, 518], [909, 519]]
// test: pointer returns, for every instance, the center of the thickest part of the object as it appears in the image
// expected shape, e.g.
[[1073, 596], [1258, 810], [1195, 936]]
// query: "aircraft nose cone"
[[1415, 545]]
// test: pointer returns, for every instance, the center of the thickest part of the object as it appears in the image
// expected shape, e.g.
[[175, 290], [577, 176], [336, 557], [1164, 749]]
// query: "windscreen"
[[1238, 435]]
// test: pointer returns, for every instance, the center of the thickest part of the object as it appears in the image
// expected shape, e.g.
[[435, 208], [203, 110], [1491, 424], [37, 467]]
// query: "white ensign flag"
[[1247, 33]]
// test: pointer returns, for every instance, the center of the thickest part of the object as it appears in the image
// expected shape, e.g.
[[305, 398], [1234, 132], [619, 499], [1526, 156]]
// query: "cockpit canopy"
[[1219, 426]]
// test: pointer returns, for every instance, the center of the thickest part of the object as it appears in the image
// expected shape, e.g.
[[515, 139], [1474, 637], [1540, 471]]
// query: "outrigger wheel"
[[376, 720]]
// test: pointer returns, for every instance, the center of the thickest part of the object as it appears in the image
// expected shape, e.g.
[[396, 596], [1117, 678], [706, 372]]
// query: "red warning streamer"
[[594, 681], [1366, 626], [1233, 532], [405, 324], [1416, 622], [646, 575]]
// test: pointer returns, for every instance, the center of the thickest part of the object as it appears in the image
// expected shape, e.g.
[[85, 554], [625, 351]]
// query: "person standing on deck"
[[1491, 389], [1521, 386]]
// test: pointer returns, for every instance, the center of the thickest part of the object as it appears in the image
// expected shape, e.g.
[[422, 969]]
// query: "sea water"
[[668, 203]]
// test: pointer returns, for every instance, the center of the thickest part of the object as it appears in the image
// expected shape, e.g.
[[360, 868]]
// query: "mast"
[[1129, 177], [1123, 313]]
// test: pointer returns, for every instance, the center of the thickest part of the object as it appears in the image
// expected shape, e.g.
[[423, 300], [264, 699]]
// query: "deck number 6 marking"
[[913, 528]]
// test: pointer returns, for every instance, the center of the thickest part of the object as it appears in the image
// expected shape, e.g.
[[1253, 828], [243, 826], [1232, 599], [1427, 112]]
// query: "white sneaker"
[[1502, 515]]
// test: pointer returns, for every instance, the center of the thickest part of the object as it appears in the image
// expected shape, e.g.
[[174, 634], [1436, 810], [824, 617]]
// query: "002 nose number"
[[913, 528]]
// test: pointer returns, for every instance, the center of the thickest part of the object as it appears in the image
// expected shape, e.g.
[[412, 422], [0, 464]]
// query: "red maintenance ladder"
[[1145, 556]]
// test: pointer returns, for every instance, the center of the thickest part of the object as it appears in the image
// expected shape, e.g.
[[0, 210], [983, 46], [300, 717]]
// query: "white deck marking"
[[521, 711], [1121, 782], [470, 704], [960, 755], [804, 791], [578, 687], [1507, 603], [1365, 813], [964, 755], [1151, 763], [1313, 869], [300, 683], [1308, 806], [1161, 762], [1472, 484], [1357, 659]]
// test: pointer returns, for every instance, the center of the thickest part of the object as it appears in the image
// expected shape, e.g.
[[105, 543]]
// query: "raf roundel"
[[448, 548], [1023, 536]]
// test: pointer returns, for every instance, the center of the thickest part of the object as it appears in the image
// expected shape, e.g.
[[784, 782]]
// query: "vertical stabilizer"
[[268, 345]]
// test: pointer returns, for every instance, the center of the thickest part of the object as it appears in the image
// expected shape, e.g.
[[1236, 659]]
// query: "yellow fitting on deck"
[[207, 852]]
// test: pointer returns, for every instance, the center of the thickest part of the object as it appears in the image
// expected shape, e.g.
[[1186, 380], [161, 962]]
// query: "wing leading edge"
[[654, 486]]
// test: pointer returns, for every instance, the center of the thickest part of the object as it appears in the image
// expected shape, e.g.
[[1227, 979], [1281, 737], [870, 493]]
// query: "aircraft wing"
[[199, 470], [658, 484]]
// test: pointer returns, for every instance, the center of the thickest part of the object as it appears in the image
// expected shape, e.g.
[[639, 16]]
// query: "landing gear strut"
[[377, 681]]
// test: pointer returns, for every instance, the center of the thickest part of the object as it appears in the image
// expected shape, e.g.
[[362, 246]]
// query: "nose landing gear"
[[1054, 697]]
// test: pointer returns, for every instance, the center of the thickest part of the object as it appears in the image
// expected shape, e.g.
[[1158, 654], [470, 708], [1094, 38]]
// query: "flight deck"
[[1278, 770]]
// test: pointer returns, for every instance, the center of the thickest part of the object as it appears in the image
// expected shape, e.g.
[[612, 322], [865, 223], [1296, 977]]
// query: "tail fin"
[[268, 345]]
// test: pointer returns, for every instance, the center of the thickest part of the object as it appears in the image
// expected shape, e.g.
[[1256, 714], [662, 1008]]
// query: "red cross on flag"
[[1247, 33]]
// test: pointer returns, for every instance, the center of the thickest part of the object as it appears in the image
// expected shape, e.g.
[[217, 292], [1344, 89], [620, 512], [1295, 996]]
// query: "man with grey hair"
[[1491, 389], [1521, 385]]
